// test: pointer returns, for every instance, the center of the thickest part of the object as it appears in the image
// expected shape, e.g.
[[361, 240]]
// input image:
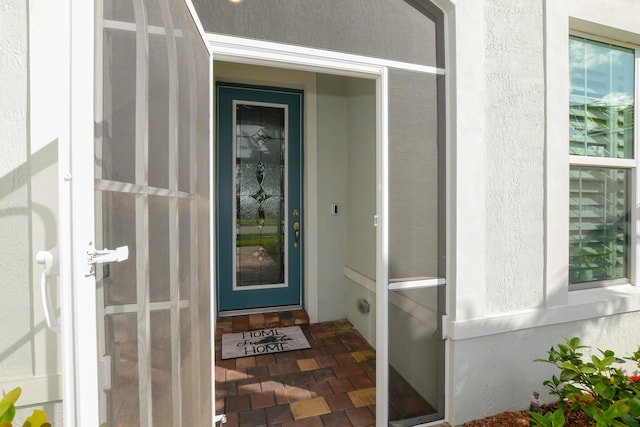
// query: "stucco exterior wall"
[[28, 206], [332, 168], [334, 25], [498, 175], [508, 293], [498, 373], [499, 156], [361, 177], [361, 201], [14, 191], [514, 136]]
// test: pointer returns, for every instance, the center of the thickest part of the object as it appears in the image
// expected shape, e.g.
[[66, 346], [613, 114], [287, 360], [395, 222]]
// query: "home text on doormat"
[[263, 341]]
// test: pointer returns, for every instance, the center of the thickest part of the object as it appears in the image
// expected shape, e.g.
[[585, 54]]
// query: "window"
[[602, 159]]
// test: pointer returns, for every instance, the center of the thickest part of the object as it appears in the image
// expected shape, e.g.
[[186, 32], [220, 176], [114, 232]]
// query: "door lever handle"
[[51, 268], [296, 229]]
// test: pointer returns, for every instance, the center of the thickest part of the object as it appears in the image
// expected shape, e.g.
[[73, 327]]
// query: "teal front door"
[[259, 197]]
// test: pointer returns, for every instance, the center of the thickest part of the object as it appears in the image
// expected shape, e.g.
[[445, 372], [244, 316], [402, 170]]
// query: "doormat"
[[263, 341]]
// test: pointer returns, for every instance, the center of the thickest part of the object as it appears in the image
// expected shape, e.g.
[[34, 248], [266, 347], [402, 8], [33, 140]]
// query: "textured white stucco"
[[499, 193], [28, 203], [15, 280], [514, 136], [498, 157], [467, 224], [520, 97], [497, 373], [13, 68]]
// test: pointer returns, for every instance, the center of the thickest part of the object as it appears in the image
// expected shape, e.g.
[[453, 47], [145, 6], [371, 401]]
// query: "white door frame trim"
[[260, 52], [249, 51], [256, 52], [76, 232]]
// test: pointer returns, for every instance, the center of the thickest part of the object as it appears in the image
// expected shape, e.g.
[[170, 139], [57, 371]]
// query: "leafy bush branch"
[[8, 412], [598, 387]]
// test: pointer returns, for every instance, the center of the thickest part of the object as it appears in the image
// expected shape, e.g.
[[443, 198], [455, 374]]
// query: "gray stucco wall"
[[382, 28]]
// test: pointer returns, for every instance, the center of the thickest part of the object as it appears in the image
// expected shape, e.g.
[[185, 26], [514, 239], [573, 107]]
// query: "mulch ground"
[[521, 418]]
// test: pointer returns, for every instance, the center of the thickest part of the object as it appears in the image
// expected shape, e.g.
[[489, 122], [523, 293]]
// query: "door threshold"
[[246, 311]]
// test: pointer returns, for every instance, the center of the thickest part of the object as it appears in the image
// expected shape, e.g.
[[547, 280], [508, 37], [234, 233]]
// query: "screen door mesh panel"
[[152, 194]]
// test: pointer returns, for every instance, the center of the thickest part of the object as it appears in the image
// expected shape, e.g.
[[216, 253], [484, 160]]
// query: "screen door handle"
[[107, 255], [94, 256], [51, 268]]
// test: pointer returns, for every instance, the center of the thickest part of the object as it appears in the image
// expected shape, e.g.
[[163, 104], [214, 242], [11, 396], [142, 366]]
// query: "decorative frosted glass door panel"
[[260, 195], [259, 187]]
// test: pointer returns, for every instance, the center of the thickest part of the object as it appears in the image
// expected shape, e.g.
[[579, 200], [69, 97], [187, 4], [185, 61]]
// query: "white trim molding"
[[603, 162], [415, 283], [362, 280], [231, 48], [36, 390], [421, 313], [583, 305]]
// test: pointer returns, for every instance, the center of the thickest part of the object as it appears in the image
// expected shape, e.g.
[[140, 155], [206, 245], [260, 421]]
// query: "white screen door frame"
[[240, 50], [76, 223], [76, 182]]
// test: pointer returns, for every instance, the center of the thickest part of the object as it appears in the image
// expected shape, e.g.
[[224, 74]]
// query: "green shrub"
[[597, 386], [549, 419], [8, 412]]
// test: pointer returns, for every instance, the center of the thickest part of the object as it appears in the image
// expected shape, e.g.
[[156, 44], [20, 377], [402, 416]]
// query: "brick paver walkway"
[[330, 384]]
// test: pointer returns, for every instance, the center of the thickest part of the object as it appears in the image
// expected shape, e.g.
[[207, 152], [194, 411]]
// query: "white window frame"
[[616, 21], [594, 19], [629, 165]]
